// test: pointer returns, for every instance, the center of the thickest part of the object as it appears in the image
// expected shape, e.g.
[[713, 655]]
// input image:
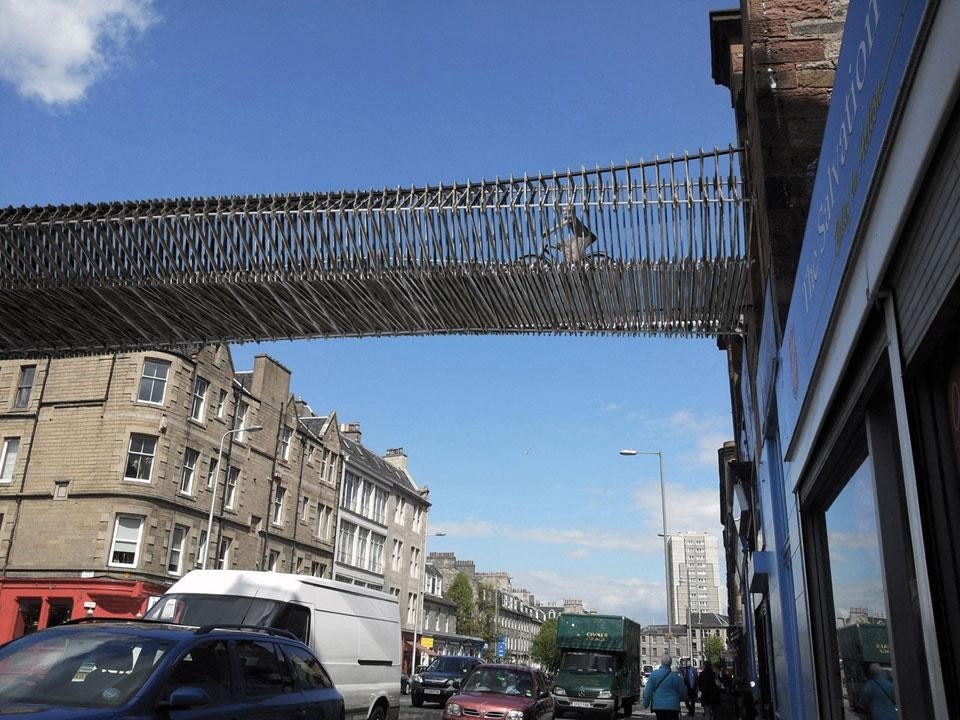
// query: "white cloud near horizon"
[[54, 50]]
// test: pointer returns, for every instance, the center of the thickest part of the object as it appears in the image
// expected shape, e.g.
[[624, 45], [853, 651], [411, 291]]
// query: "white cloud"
[[693, 510], [637, 599], [54, 50], [708, 434]]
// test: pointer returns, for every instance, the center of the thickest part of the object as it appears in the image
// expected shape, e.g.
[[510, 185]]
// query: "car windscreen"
[[198, 609], [449, 664], [85, 670], [587, 662]]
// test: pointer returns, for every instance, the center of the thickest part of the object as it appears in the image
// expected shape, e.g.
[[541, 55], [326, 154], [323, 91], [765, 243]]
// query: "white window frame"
[[8, 459], [223, 553], [178, 540], [150, 382], [140, 454], [273, 561], [285, 434], [230, 488], [199, 405], [276, 506], [25, 389], [304, 508], [242, 410], [120, 518], [212, 471], [221, 403], [201, 549], [189, 470]]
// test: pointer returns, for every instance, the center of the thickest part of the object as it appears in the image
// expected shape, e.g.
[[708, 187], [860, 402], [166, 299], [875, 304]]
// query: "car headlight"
[[417, 679], [453, 709], [557, 690], [605, 694], [514, 715]]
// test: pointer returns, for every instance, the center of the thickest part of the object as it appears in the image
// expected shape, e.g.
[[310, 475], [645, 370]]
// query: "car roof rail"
[[279, 632], [94, 620]]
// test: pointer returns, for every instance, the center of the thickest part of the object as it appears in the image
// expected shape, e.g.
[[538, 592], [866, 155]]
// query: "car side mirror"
[[186, 697], [456, 684]]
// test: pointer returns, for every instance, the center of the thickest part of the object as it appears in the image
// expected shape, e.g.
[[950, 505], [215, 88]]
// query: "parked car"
[[143, 670], [436, 683], [502, 691], [355, 631]]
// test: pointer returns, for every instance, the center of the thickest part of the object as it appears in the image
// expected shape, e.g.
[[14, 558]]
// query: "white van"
[[354, 631]]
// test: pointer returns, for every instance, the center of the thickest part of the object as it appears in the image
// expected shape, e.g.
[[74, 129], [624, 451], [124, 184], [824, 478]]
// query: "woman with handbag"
[[664, 691]]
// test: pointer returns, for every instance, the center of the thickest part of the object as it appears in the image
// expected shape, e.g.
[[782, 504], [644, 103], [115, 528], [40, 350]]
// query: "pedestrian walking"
[[664, 691], [709, 690], [689, 673], [878, 694]]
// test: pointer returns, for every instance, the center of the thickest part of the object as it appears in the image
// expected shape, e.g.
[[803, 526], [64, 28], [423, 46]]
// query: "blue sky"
[[517, 437]]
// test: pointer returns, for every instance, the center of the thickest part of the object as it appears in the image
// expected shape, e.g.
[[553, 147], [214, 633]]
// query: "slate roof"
[[376, 465]]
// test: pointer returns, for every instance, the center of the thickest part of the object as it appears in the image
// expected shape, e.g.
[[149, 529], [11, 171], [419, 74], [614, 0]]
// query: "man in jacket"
[[664, 691], [689, 674]]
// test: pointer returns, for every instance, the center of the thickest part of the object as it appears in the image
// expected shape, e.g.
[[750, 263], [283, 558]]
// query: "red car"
[[509, 692]]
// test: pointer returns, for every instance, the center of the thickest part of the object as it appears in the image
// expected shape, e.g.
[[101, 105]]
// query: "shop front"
[[31, 604]]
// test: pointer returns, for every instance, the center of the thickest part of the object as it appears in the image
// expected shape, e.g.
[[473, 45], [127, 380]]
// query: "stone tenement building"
[[114, 469]]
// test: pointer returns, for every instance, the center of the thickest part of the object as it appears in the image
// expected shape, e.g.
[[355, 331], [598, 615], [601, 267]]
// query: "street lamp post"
[[213, 497], [423, 591], [663, 515]]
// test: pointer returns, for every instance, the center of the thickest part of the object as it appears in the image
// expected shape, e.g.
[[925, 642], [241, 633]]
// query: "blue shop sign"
[[878, 42]]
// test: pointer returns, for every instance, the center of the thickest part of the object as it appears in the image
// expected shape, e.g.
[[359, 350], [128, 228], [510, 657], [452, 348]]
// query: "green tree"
[[487, 619], [461, 593], [715, 648], [544, 648]]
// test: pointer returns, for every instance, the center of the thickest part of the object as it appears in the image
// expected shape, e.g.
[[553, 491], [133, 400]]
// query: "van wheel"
[[416, 700]]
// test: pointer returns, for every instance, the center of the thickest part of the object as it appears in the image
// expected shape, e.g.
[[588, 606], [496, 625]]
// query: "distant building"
[[694, 574]]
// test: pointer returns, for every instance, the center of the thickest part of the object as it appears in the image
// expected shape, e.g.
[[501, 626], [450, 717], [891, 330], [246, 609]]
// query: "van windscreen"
[[195, 609]]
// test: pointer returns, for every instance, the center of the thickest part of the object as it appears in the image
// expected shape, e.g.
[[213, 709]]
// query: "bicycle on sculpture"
[[572, 247]]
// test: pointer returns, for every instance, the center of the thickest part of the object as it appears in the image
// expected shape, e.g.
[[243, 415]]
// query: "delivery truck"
[[600, 672]]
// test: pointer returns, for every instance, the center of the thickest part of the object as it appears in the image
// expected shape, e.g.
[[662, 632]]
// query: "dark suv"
[[144, 670], [436, 683]]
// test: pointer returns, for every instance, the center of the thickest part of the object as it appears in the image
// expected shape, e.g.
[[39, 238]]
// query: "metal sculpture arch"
[[647, 248]]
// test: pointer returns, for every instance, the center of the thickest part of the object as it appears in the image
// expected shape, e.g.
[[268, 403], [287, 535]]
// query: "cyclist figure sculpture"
[[573, 244]]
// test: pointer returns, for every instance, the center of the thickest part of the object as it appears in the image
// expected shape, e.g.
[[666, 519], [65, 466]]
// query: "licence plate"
[[580, 703], [431, 691]]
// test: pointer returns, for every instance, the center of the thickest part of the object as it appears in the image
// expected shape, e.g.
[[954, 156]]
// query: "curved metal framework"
[[653, 247]]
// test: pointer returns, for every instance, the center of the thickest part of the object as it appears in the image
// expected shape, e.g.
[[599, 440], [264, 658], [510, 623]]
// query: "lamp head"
[[629, 452]]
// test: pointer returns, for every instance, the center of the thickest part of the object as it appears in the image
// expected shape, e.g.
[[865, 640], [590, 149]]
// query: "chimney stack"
[[351, 431], [397, 457]]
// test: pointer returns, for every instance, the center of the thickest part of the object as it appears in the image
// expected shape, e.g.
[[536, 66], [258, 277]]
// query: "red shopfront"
[[30, 604]]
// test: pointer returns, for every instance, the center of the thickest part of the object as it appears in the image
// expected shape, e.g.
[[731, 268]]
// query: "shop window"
[[61, 609], [856, 572], [28, 621]]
